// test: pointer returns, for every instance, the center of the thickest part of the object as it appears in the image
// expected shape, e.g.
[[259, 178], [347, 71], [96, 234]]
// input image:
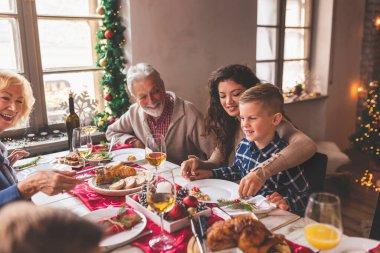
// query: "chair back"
[[315, 171]]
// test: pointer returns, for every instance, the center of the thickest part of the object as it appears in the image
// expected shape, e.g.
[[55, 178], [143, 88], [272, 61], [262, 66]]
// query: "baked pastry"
[[250, 235]]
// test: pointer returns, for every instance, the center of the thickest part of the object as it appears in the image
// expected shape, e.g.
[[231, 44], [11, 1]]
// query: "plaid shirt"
[[160, 126], [291, 183]]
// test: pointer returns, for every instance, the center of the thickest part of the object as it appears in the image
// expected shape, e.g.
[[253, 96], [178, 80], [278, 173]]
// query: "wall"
[[345, 70], [187, 40]]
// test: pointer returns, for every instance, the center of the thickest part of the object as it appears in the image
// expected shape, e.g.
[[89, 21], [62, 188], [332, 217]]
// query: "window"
[[283, 41], [51, 43]]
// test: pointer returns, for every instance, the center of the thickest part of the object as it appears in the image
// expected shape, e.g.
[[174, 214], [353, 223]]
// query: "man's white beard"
[[154, 112]]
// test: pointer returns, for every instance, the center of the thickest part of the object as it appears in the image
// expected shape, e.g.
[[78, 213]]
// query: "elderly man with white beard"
[[160, 112]]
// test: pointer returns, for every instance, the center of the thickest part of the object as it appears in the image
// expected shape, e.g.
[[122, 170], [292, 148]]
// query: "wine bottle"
[[72, 121]]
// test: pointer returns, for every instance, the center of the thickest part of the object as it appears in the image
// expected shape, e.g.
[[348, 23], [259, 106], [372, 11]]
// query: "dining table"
[[277, 221]]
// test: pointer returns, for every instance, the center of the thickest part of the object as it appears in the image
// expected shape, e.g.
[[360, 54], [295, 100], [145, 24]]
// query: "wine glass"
[[82, 143], [89, 129], [323, 219], [155, 150], [161, 195]]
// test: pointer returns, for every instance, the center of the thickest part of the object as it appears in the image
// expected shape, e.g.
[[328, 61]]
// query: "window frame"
[[280, 41], [31, 63]]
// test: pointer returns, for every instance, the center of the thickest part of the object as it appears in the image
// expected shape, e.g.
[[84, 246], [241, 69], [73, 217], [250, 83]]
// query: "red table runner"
[[94, 201]]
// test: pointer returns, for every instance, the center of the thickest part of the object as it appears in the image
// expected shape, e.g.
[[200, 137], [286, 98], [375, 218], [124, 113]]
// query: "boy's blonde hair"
[[7, 79], [266, 93]]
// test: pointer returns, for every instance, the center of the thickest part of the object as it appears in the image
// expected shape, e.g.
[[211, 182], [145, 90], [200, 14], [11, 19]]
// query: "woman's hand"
[[250, 185], [16, 155], [49, 182], [189, 167], [277, 199]]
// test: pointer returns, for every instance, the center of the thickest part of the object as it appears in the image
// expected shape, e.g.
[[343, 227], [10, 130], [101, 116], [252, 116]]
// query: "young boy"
[[260, 113]]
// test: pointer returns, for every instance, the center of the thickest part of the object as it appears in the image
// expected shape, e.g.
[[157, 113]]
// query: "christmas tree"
[[109, 49], [367, 137]]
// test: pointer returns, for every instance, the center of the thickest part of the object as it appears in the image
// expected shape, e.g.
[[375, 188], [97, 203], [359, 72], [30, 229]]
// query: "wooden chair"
[[315, 171], [375, 229]]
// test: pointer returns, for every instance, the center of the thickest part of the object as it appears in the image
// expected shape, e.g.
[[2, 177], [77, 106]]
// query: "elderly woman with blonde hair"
[[26, 228], [16, 103]]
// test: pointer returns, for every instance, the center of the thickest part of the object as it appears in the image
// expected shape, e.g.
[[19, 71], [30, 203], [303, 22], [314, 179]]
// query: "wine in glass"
[[161, 195], [323, 219], [155, 150], [89, 129], [82, 143]]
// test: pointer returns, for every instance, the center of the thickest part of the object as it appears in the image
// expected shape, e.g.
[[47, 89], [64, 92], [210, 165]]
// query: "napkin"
[[263, 206], [120, 222]]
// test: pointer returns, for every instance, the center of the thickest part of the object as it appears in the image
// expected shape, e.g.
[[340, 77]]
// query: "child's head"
[[260, 113]]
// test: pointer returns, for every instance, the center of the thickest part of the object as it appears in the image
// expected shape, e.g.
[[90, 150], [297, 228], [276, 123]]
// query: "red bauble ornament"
[[190, 201], [135, 197], [108, 34], [108, 97], [111, 120], [177, 212]]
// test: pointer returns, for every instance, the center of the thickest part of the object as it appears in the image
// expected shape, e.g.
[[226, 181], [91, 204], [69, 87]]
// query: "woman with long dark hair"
[[226, 84]]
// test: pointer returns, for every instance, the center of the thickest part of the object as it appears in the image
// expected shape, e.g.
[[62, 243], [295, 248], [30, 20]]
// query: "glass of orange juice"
[[323, 219]]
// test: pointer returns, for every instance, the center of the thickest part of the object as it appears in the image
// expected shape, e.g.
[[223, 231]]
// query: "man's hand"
[[138, 144], [277, 199], [16, 155], [250, 185]]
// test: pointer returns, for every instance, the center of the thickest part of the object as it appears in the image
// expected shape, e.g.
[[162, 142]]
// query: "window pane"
[[294, 72], [57, 88], [266, 43], [67, 43], [67, 7], [9, 45], [8, 6], [296, 43], [265, 71], [298, 13], [267, 12]]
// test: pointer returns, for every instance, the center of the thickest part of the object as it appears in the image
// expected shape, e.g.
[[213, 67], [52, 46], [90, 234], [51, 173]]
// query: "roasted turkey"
[[250, 235], [114, 172]]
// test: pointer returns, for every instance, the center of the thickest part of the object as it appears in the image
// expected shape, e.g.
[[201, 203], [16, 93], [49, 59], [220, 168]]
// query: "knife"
[[196, 235], [91, 169], [203, 225]]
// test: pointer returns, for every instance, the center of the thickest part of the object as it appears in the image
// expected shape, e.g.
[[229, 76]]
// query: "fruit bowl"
[[177, 217]]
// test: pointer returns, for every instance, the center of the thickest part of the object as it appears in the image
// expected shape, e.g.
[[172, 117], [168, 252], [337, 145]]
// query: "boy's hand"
[[250, 185], [277, 199]]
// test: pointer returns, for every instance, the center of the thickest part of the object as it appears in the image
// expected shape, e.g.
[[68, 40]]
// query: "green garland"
[[109, 49], [367, 137]]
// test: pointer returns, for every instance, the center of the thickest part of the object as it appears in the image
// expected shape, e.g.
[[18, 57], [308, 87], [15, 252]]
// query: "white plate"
[[121, 155], [354, 245], [21, 175], [119, 238], [104, 189], [216, 189]]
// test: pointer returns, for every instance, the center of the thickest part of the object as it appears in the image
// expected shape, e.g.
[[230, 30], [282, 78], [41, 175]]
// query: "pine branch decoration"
[[237, 205], [109, 49]]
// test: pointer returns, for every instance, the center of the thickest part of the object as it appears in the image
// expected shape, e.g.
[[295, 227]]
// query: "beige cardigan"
[[183, 137], [300, 149]]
